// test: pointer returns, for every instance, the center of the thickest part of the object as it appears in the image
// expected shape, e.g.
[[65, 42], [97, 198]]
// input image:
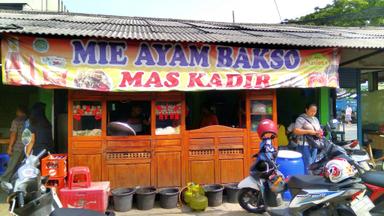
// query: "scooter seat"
[[308, 181], [315, 182], [374, 178], [358, 152], [341, 143]]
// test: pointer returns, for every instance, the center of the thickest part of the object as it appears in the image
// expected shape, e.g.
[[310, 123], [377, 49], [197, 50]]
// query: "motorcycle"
[[373, 180], [27, 194], [311, 195], [352, 147]]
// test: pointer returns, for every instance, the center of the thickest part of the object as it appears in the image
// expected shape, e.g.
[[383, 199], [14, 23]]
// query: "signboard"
[[110, 65]]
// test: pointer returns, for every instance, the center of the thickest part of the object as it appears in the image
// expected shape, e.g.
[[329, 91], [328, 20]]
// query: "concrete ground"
[[350, 132], [4, 209], [227, 209]]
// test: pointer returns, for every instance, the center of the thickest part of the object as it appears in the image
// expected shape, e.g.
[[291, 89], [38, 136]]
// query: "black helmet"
[[263, 169]]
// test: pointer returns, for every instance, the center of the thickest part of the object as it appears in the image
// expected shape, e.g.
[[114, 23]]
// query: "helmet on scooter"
[[262, 169], [276, 183], [334, 124], [338, 169], [266, 126]]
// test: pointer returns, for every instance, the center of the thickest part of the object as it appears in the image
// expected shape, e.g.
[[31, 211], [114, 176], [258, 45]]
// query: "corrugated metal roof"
[[160, 29]]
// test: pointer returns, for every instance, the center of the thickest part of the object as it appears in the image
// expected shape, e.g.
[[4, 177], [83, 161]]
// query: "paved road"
[[351, 132]]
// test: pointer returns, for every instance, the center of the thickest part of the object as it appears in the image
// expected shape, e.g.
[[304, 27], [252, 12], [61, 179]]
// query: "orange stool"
[[79, 177]]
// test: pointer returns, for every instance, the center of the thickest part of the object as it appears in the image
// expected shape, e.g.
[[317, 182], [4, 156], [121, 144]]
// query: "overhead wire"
[[278, 11]]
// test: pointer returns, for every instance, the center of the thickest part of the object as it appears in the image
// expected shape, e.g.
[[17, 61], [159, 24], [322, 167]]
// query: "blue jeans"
[[309, 156]]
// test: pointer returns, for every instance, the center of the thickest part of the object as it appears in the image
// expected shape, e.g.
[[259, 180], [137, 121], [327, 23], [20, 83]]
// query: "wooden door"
[[129, 175], [216, 154], [128, 161], [168, 169], [92, 161]]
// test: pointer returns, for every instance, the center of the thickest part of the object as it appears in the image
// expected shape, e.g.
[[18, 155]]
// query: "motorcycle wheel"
[[344, 210], [345, 213], [251, 200]]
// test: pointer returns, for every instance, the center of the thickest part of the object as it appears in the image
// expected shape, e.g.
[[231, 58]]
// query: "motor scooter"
[[373, 180], [27, 194], [311, 195], [352, 147]]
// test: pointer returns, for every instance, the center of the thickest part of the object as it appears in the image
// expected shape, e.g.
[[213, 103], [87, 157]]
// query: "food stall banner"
[[118, 65]]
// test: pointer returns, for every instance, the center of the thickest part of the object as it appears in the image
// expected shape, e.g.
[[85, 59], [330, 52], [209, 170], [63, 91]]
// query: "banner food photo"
[[113, 65]]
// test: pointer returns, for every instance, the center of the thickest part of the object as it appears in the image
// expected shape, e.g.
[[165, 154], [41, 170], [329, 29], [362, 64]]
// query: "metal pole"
[[233, 16], [46, 5], [359, 113]]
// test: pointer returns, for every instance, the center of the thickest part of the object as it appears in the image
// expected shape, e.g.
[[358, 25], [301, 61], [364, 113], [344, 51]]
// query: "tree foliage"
[[346, 13]]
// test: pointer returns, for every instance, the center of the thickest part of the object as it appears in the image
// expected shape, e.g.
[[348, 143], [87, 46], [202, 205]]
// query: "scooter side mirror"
[[44, 180]]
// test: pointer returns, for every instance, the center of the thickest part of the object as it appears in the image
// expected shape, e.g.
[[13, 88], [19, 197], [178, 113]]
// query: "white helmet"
[[338, 169]]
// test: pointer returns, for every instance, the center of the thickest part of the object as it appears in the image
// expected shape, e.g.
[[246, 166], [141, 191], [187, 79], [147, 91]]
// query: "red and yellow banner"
[[110, 65]]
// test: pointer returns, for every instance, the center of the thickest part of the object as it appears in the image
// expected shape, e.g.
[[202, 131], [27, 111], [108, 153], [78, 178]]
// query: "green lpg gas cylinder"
[[188, 196], [192, 189], [194, 197], [199, 202]]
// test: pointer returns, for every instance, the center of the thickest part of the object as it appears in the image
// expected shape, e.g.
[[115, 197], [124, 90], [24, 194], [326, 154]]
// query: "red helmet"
[[266, 126]]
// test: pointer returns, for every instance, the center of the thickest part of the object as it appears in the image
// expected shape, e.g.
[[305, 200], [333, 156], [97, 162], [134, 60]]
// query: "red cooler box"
[[91, 195]]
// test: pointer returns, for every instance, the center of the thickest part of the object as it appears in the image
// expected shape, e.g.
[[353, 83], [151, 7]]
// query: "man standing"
[[15, 147], [348, 115]]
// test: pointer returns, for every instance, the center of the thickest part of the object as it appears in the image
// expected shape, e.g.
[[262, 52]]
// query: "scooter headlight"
[[28, 173]]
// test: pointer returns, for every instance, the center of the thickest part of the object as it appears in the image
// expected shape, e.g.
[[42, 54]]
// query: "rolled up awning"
[[113, 65]]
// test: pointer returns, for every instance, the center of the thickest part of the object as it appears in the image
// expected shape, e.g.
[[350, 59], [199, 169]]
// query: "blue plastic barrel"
[[4, 158], [290, 163]]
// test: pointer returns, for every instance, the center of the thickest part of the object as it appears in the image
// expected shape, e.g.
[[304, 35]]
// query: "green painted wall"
[[324, 103], [10, 98], [13, 96], [372, 107]]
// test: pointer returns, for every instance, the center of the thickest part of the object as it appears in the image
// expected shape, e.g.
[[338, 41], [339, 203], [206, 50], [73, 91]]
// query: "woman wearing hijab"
[[39, 129]]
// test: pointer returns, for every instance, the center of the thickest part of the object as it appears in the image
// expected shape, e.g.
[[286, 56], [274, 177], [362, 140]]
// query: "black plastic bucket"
[[145, 198], [231, 191], [122, 199], [169, 198], [214, 193]]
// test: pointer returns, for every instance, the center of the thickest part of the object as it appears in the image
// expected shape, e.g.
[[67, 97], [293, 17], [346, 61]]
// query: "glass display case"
[[87, 117], [260, 109], [168, 118]]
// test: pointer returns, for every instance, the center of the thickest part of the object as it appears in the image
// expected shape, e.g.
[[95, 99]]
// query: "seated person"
[[209, 118]]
